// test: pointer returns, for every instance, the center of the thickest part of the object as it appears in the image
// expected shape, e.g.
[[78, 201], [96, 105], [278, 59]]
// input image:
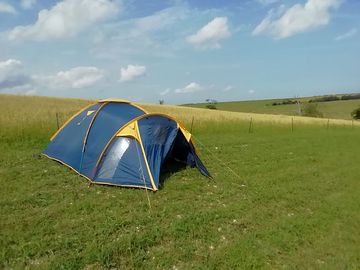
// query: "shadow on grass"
[[170, 167]]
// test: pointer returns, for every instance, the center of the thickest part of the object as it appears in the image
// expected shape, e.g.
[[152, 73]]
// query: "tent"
[[115, 142]]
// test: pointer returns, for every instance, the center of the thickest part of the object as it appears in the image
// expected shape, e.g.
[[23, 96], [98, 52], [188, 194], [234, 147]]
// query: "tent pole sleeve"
[[87, 134]]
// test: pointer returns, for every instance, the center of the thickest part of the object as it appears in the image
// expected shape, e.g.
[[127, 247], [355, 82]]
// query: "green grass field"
[[334, 109], [294, 202]]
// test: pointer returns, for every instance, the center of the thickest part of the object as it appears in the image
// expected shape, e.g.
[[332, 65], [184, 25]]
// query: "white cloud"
[[190, 88], [351, 33], [251, 91], [131, 72], [66, 19], [283, 23], [161, 34], [157, 34], [28, 4], [165, 92], [14, 78], [77, 77], [160, 20], [8, 67], [12, 75], [211, 34], [228, 88], [7, 8]]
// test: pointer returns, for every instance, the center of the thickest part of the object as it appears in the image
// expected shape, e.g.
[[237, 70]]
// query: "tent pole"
[[57, 121], [141, 171]]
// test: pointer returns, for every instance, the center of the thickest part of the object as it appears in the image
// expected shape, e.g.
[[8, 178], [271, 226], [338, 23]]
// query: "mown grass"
[[293, 203], [340, 109]]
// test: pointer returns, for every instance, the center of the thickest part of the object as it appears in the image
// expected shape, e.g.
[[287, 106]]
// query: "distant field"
[[290, 200], [334, 109]]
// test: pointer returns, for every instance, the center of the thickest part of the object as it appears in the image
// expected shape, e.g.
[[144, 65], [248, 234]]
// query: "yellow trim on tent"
[[91, 181], [111, 140], [89, 113], [131, 130], [70, 119], [114, 100], [132, 121], [105, 101], [122, 101], [145, 159], [186, 133], [119, 185], [113, 137], [155, 114], [67, 165]]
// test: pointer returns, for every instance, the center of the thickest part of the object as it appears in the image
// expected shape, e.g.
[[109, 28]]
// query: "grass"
[[293, 203], [340, 109]]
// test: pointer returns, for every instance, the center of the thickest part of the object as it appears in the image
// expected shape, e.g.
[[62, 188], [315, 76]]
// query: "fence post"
[[292, 124], [192, 123], [57, 120], [328, 122], [250, 125], [22, 131]]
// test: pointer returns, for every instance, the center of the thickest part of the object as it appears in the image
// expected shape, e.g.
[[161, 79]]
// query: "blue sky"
[[179, 51]]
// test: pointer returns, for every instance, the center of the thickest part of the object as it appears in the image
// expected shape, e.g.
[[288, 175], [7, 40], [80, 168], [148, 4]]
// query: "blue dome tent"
[[115, 142]]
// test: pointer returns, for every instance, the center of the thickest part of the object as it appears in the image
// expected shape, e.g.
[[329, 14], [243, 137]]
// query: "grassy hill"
[[340, 109], [283, 196]]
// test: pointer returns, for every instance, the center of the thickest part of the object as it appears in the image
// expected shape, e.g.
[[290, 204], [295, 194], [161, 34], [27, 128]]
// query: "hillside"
[[340, 109]]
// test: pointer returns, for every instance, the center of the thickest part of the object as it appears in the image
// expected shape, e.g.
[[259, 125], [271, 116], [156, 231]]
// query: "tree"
[[311, 110], [356, 113], [161, 101], [211, 104]]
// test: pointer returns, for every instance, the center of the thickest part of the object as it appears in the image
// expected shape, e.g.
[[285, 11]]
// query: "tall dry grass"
[[48, 112], [18, 110]]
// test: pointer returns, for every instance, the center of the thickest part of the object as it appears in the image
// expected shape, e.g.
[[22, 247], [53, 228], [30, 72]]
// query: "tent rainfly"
[[115, 142]]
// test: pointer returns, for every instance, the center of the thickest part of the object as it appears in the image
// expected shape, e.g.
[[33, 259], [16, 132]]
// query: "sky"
[[179, 51]]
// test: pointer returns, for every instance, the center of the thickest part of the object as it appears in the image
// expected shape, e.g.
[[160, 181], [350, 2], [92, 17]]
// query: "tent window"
[[124, 164], [113, 157]]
